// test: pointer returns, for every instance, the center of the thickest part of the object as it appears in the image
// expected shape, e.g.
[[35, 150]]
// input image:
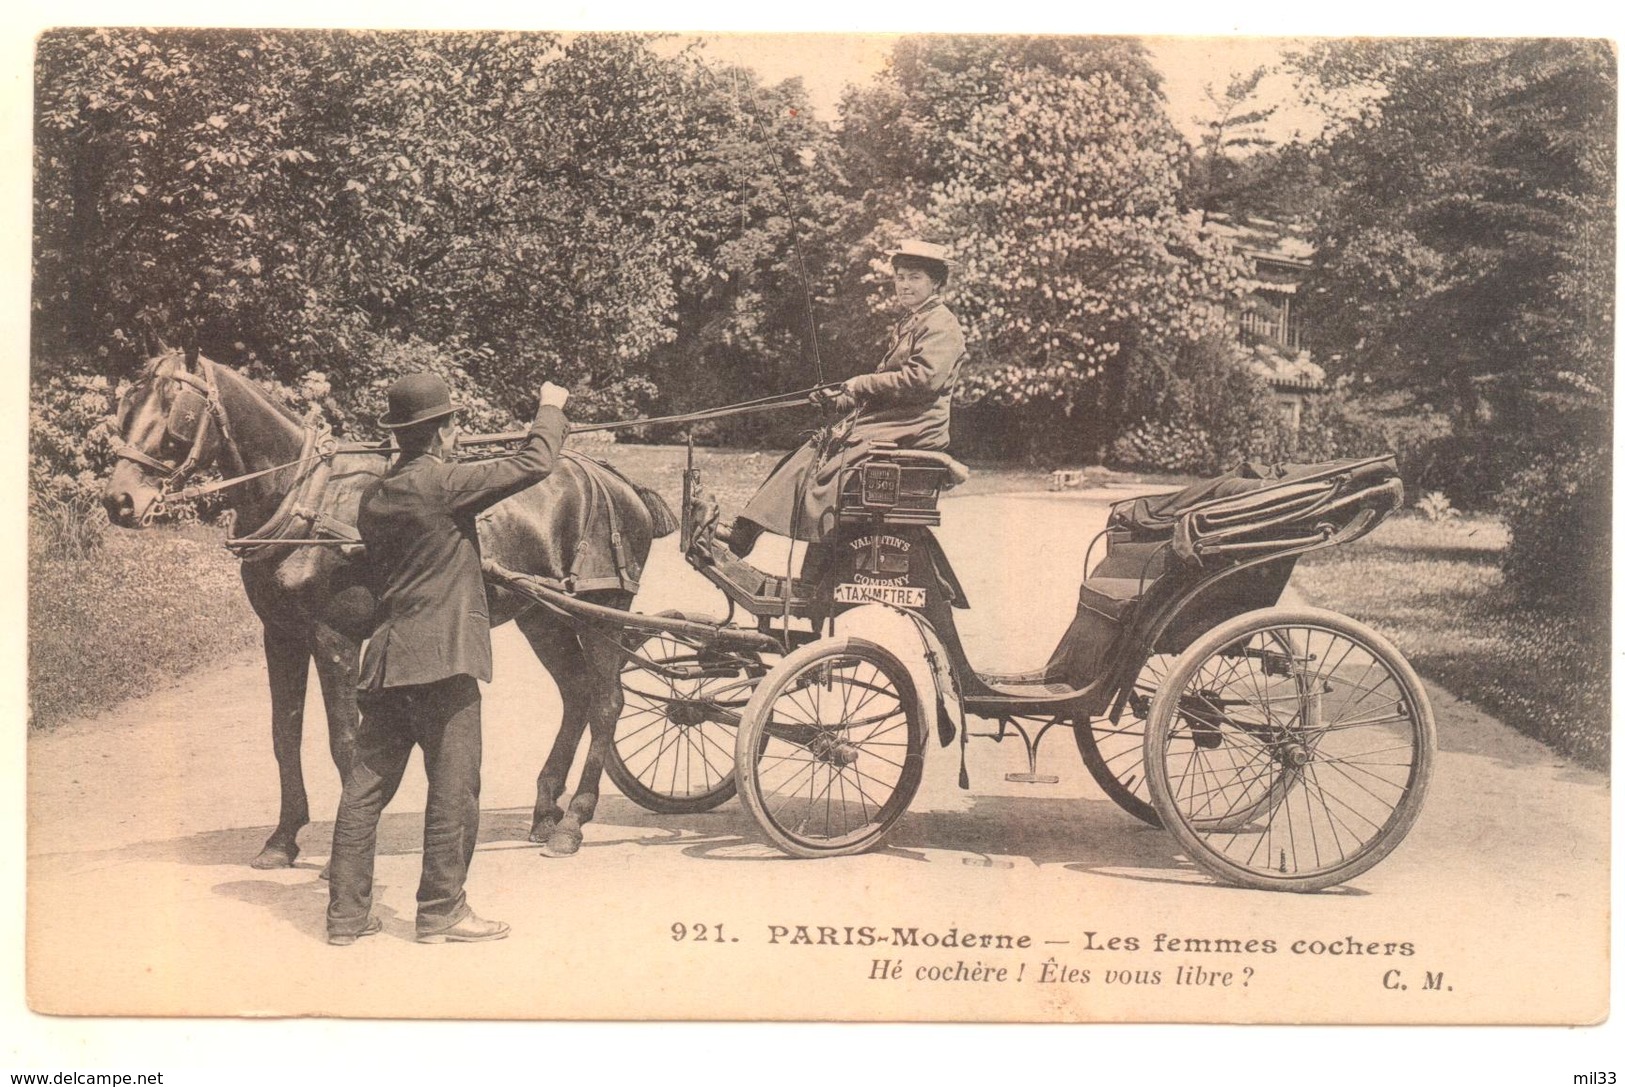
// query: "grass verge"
[[124, 618], [1435, 589]]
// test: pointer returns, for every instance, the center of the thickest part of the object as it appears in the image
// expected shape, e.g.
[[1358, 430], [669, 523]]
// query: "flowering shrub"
[[1166, 446], [1053, 167], [1202, 411], [71, 438]]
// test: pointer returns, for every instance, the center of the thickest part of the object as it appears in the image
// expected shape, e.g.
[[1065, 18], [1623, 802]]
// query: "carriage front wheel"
[[1113, 748], [1289, 749], [831, 748]]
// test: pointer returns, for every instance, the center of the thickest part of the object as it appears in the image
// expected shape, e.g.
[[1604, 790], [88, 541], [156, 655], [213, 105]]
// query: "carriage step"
[[1033, 779]]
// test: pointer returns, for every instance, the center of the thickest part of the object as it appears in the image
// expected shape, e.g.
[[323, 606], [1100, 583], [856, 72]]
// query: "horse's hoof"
[[562, 843], [541, 832], [274, 857]]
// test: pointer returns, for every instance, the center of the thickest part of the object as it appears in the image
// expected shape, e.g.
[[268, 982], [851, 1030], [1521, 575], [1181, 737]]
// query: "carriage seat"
[[957, 473], [892, 486], [1110, 597], [1104, 607]]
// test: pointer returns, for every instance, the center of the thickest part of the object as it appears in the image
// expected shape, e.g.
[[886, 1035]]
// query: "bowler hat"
[[417, 398], [914, 247]]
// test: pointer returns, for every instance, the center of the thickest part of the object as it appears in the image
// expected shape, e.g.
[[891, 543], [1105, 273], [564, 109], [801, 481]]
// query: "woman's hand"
[[845, 400], [839, 399]]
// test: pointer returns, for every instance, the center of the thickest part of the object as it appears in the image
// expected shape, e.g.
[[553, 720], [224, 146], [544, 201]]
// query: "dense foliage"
[[524, 207], [1465, 258], [327, 209]]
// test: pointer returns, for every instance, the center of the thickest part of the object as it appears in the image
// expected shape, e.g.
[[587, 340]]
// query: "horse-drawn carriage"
[[1284, 748]]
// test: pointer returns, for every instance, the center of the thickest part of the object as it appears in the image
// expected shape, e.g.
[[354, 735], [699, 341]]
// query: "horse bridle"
[[197, 402]]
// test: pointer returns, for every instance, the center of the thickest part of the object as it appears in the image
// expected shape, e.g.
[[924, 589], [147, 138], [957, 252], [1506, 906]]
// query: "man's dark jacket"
[[418, 525]]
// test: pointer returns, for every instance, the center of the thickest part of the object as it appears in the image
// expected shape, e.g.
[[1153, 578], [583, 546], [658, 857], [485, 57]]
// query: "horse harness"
[[627, 571], [321, 528], [300, 520]]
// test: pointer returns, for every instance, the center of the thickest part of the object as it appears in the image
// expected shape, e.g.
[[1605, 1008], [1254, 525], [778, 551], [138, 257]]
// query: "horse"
[[289, 481]]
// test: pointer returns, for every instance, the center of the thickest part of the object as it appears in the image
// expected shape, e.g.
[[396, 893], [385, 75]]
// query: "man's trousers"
[[443, 718]]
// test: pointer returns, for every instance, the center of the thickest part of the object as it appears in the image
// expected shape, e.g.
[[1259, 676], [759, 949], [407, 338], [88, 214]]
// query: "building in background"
[[1266, 322]]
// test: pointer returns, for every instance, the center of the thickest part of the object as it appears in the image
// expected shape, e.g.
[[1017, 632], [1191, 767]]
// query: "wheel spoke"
[[667, 753], [817, 773], [1295, 753]]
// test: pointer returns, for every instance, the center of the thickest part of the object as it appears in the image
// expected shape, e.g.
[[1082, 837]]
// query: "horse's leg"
[[287, 663], [556, 646], [603, 698], [338, 661]]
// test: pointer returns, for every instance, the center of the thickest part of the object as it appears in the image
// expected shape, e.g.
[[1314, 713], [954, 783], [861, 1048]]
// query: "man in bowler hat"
[[419, 677]]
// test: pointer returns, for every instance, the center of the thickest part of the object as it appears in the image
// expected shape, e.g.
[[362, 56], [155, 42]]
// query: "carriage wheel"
[[832, 748], [1290, 749], [1114, 751], [673, 749]]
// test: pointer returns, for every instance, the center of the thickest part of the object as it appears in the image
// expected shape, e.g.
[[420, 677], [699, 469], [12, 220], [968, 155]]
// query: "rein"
[[746, 407], [320, 447], [317, 438]]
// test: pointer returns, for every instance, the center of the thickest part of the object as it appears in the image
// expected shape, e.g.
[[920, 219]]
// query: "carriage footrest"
[[1036, 686], [1033, 779], [757, 592]]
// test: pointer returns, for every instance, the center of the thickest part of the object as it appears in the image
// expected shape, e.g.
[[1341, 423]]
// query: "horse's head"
[[169, 424]]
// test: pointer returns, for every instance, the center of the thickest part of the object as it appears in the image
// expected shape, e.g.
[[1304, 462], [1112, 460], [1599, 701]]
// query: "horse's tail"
[[663, 521]]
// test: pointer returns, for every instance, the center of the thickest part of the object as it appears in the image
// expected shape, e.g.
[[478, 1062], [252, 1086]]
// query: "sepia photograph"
[[930, 527]]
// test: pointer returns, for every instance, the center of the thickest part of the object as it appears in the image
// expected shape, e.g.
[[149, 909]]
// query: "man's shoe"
[[345, 939], [470, 930]]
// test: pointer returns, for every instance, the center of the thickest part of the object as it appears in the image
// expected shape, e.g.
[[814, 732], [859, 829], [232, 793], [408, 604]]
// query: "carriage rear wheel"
[[1289, 749], [831, 749], [673, 749]]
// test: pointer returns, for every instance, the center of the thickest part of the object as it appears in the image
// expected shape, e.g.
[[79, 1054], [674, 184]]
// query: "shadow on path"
[[1090, 837], [1084, 835]]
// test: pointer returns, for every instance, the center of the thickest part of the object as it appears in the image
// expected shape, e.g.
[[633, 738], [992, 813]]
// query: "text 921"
[[710, 934]]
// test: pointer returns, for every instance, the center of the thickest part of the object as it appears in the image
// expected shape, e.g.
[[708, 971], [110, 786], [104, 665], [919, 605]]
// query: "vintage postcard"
[[1200, 616]]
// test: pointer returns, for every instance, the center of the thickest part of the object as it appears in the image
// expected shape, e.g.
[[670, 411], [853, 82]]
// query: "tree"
[[1053, 168], [759, 212], [164, 164], [505, 207], [1232, 131], [1469, 204], [1466, 258]]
